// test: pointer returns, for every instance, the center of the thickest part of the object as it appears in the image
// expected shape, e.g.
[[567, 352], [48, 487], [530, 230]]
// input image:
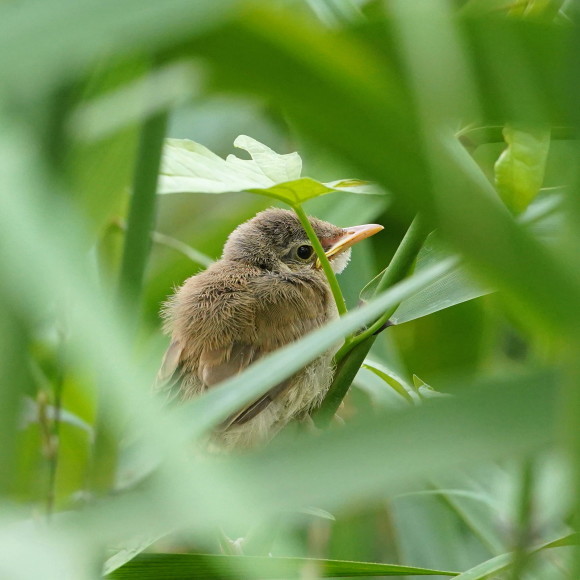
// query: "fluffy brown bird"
[[266, 291]]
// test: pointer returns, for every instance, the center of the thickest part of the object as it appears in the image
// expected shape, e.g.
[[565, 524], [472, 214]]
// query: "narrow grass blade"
[[503, 562], [206, 566]]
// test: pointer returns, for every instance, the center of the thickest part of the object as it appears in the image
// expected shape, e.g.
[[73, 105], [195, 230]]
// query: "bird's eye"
[[304, 252]]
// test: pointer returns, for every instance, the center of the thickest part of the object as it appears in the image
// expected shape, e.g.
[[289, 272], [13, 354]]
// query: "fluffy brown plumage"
[[263, 293]]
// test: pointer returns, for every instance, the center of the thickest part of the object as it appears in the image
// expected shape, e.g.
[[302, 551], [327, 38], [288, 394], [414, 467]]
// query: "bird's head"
[[275, 240]]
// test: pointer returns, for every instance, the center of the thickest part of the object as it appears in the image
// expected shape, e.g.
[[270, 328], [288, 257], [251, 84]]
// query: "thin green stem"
[[352, 354], [142, 209], [333, 282], [55, 435], [523, 534], [405, 255], [135, 255], [345, 373], [186, 250], [393, 273], [164, 240]]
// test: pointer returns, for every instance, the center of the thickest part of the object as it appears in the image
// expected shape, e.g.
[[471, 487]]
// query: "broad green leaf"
[[391, 378], [405, 446], [453, 288], [189, 167], [542, 218], [184, 566], [278, 168], [503, 562], [48, 58], [519, 170]]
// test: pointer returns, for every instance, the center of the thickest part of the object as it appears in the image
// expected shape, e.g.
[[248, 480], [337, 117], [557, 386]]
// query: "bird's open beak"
[[351, 236]]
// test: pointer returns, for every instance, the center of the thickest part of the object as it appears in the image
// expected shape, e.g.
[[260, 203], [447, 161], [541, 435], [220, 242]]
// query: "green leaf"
[[519, 171], [542, 218], [426, 391], [502, 562], [185, 566], [278, 168], [57, 52], [452, 288], [189, 167], [390, 378]]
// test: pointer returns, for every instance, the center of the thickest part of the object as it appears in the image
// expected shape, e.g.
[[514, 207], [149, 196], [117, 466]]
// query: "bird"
[[267, 290]]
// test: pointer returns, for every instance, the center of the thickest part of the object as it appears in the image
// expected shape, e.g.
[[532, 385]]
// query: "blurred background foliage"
[[464, 111]]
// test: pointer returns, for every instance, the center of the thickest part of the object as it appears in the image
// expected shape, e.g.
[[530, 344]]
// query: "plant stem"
[[164, 240], [335, 288], [393, 273], [54, 446], [142, 209], [405, 255], [523, 532], [345, 372], [352, 354], [135, 254]]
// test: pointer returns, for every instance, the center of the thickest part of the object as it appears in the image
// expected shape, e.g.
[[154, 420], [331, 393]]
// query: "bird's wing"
[[169, 376], [216, 365], [219, 364], [287, 311], [281, 317]]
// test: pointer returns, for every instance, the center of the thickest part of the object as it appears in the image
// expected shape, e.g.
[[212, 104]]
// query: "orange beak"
[[351, 236]]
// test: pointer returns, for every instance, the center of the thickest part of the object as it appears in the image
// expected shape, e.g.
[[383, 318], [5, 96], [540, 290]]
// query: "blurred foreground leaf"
[[519, 171], [189, 167], [495, 420], [55, 39], [185, 566], [503, 562]]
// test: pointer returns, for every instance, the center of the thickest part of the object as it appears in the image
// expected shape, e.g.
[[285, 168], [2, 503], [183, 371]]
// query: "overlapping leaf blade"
[[183, 566], [189, 167]]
